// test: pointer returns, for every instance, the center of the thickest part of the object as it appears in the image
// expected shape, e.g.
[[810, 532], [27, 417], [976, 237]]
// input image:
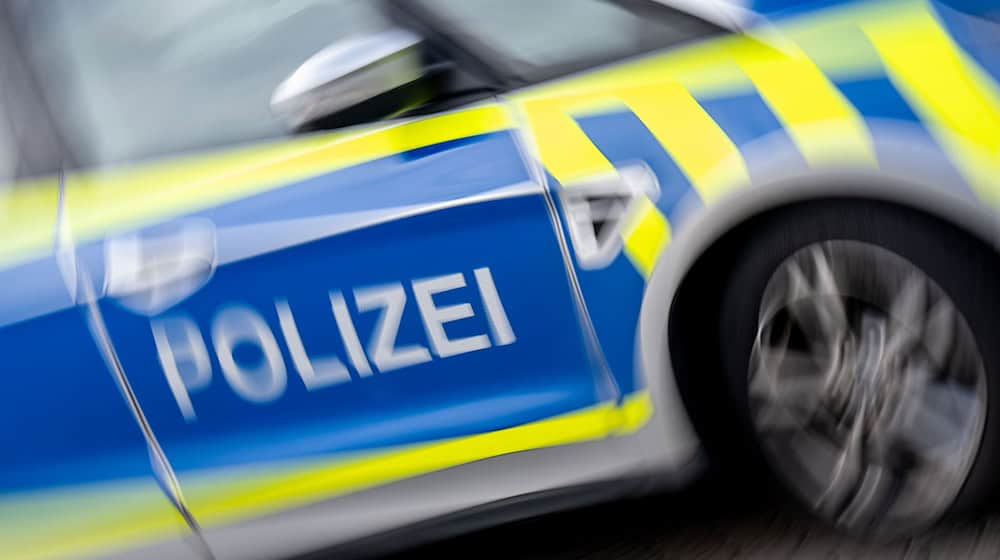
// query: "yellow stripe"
[[103, 201], [225, 496], [110, 200], [827, 129], [100, 519], [561, 145], [842, 53], [696, 143], [27, 219], [79, 521], [959, 104], [645, 234], [701, 149], [833, 40]]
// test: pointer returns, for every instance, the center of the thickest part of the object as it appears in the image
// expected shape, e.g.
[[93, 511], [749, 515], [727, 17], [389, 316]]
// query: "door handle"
[[148, 272], [596, 209]]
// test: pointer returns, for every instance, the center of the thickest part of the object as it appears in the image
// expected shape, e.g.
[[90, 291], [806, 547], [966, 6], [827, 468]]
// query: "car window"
[[8, 149], [540, 39], [133, 79], [28, 145]]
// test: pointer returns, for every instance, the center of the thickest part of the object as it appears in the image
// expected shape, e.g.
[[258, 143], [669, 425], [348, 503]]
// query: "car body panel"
[[723, 114], [76, 478], [585, 391], [410, 211]]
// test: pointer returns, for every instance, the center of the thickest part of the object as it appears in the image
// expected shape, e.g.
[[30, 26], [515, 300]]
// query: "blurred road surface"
[[705, 523]]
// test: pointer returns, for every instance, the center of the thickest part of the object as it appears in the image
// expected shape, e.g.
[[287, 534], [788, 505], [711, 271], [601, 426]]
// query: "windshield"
[[535, 40], [133, 79]]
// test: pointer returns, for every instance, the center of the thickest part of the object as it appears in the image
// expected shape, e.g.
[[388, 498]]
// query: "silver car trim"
[[345, 519], [729, 14]]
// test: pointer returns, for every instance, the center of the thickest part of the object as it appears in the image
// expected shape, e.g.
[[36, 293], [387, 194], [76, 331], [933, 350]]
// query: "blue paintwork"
[[778, 9], [433, 174], [545, 372], [623, 139], [877, 98], [747, 119], [31, 290], [65, 422], [614, 293], [888, 115], [975, 26], [64, 415]]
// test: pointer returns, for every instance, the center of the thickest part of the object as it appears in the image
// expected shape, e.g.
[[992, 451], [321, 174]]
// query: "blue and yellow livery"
[[486, 256]]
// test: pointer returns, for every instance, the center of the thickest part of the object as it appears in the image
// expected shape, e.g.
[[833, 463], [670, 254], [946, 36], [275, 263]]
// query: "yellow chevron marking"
[[827, 129], [695, 142], [948, 90], [565, 150], [645, 234]]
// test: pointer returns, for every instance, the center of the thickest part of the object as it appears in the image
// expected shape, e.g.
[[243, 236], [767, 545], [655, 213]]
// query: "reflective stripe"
[[645, 234], [824, 125], [827, 129], [114, 199], [954, 97], [561, 145], [109, 200], [229, 495], [706, 68], [75, 521], [698, 146], [27, 220], [86, 520], [695, 142]]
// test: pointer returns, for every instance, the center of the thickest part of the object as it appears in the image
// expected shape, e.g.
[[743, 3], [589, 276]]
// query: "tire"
[[823, 371]]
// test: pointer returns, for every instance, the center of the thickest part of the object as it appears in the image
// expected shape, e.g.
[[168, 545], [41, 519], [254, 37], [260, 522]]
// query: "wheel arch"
[[667, 363]]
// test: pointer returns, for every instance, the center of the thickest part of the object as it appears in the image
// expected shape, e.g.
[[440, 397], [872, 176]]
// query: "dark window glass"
[[538, 39], [29, 146], [8, 147]]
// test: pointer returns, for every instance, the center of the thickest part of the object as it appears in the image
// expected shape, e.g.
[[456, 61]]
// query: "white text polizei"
[[184, 352]]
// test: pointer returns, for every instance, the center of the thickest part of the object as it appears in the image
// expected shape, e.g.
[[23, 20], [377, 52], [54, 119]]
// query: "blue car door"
[[385, 288], [302, 316]]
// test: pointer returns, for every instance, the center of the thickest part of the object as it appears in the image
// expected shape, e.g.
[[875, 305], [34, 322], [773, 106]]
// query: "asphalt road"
[[706, 523]]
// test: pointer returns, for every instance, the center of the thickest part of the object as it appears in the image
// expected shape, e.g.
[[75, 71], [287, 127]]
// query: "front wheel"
[[856, 340]]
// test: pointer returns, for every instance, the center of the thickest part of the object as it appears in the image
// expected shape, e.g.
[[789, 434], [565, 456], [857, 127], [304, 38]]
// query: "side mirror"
[[353, 81]]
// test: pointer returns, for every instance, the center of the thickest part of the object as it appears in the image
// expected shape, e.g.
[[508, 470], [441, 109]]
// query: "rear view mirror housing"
[[355, 80]]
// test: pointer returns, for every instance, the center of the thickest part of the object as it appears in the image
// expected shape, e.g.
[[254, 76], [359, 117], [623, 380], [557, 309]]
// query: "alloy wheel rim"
[[867, 390]]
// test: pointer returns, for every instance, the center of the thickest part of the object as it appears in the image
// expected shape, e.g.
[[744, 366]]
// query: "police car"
[[280, 277]]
